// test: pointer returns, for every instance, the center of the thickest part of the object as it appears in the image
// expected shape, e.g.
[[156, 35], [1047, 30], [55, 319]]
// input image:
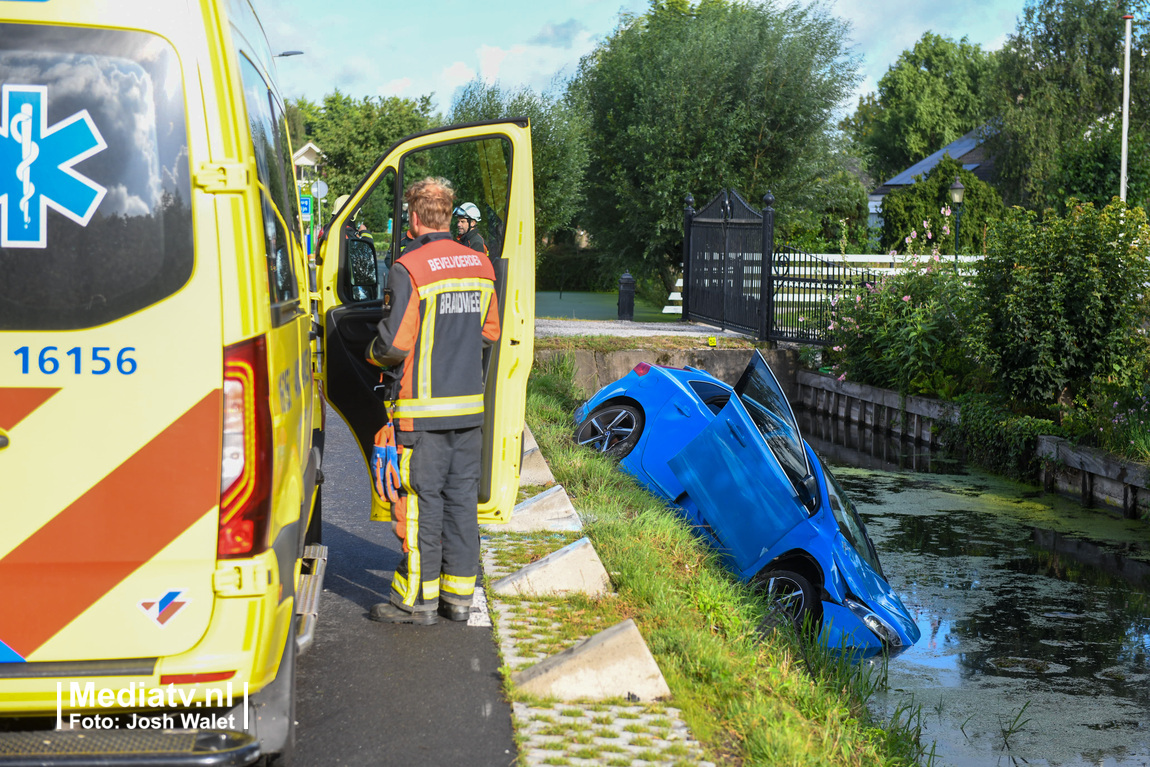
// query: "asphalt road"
[[377, 694]]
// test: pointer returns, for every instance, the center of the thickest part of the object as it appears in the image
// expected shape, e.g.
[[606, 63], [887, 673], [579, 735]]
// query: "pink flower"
[[929, 236], [945, 229], [908, 241], [914, 234], [858, 299], [894, 253], [837, 348], [843, 377], [946, 211], [926, 225], [906, 298]]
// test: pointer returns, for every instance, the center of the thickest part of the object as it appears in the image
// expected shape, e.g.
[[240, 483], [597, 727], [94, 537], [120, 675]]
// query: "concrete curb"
[[549, 510], [614, 663], [575, 568]]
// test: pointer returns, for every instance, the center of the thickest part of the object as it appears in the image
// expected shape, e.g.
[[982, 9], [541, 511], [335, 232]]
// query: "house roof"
[[308, 154], [956, 149]]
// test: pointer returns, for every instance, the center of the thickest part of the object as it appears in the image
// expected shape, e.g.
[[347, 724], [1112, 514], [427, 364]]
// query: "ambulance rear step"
[[154, 748], [312, 568]]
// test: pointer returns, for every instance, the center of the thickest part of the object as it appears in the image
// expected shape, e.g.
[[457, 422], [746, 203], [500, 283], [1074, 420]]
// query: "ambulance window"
[[94, 167], [282, 285], [283, 144]]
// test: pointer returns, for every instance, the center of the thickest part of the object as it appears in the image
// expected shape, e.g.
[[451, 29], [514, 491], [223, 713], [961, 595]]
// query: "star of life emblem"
[[36, 167]]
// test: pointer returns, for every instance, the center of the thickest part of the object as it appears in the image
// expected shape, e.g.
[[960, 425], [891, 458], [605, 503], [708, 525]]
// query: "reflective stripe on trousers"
[[440, 475]]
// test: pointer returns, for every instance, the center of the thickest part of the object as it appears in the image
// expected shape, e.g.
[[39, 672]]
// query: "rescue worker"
[[465, 231], [443, 314]]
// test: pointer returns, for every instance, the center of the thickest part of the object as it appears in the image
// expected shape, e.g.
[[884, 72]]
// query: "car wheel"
[[793, 598], [611, 429]]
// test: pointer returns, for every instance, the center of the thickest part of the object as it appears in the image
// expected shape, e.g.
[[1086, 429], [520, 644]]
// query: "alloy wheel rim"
[[608, 429], [787, 594]]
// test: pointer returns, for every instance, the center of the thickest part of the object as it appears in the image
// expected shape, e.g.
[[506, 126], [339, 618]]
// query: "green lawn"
[[594, 306]]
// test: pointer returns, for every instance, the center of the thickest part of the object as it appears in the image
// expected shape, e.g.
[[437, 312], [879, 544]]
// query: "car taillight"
[[245, 465], [642, 369]]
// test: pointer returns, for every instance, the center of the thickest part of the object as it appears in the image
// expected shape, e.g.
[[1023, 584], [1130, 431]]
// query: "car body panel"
[[731, 476], [717, 467]]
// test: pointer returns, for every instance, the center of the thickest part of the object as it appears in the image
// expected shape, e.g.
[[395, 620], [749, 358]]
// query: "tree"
[[1059, 74], [933, 94], [904, 211], [353, 133], [303, 117], [558, 146], [690, 99]]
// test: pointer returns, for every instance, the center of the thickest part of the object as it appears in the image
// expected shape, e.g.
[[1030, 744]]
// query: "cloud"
[[395, 87], [455, 75], [559, 35]]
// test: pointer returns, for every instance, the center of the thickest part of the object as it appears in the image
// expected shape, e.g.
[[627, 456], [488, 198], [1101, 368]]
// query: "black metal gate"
[[728, 250]]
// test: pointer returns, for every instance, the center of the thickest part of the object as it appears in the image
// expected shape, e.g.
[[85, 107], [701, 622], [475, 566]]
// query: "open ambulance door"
[[488, 164]]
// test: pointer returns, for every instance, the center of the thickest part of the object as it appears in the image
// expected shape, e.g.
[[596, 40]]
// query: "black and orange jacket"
[[443, 314]]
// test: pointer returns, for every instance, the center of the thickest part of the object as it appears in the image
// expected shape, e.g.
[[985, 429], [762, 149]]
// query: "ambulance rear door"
[[488, 164], [110, 337]]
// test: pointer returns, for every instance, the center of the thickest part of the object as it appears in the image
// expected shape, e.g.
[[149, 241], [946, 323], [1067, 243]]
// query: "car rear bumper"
[[113, 748]]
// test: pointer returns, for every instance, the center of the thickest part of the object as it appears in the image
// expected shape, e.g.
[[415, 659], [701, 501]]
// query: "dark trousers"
[[438, 518]]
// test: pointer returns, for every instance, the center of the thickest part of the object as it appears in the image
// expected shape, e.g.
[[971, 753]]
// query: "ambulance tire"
[[274, 709], [314, 532]]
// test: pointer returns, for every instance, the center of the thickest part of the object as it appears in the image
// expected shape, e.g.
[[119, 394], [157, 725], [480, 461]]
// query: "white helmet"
[[468, 210]]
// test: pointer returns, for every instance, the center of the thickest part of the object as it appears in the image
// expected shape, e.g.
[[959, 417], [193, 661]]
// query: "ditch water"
[[1034, 611]]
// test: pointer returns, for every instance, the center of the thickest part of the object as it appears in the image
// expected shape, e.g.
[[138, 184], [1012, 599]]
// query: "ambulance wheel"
[[314, 532], [274, 709]]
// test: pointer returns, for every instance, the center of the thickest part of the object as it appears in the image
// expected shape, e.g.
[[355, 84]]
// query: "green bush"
[[1065, 300], [908, 332], [994, 436], [905, 210], [1114, 418]]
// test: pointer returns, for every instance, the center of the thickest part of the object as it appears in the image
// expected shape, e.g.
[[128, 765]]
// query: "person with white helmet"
[[466, 233]]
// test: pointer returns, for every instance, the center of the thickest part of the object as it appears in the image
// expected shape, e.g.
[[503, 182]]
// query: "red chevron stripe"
[[108, 533], [17, 402]]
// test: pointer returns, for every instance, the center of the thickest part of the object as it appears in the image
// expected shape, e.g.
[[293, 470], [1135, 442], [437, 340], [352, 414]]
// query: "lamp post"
[[1125, 109], [957, 191], [285, 54]]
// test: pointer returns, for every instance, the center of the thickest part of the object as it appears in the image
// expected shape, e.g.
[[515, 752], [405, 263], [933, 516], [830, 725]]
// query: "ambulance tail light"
[[245, 466]]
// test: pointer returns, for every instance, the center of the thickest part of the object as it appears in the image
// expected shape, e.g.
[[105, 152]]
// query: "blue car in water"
[[734, 463]]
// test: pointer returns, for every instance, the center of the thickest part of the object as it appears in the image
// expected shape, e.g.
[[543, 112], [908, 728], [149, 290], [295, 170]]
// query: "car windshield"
[[850, 523], [760, 393]]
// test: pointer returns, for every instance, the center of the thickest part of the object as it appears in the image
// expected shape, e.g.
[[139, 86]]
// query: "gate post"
[[688, 220], [767, 280]]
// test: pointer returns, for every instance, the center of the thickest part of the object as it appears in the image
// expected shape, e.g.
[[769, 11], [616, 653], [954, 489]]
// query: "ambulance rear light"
[[245, 464], [642, 369]]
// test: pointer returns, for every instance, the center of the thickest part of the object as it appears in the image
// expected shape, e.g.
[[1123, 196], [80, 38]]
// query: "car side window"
[[713, 396], [283, 285]]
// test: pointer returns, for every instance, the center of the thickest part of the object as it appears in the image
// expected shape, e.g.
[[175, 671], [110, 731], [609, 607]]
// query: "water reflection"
[[1022, 599]]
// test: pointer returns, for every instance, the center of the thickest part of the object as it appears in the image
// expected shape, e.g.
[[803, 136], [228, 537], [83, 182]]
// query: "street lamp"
[[1125, 109], [285, 54], [957, 191]]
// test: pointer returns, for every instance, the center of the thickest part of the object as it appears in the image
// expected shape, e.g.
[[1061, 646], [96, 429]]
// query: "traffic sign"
[[305, 207]]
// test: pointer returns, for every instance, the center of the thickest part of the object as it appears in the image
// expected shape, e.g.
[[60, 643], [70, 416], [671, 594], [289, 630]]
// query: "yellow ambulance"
[[164, 354]]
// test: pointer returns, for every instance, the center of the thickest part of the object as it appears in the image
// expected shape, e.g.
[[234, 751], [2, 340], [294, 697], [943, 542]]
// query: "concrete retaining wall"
[[594, 370]]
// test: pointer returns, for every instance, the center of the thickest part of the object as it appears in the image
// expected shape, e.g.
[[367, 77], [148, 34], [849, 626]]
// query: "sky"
[[389, 48]]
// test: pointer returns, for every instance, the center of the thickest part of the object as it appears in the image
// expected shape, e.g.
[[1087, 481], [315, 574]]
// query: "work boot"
[[386, 612], [454, 612]]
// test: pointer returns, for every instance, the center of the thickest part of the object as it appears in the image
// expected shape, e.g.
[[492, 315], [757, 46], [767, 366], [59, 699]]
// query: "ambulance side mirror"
[[362, 270]]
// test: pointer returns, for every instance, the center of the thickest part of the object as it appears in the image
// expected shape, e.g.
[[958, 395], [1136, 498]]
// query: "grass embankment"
[[750, 700]]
